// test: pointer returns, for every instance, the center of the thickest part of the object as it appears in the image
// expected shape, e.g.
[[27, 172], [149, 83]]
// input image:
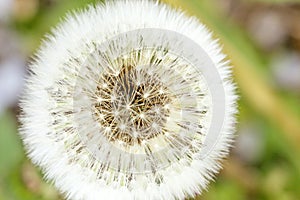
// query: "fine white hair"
[[66, 133]]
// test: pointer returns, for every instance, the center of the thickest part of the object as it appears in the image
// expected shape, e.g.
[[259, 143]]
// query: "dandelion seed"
[[124, 103]]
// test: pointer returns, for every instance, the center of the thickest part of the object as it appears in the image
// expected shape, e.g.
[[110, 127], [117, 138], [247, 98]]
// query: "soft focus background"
[[262, 39]]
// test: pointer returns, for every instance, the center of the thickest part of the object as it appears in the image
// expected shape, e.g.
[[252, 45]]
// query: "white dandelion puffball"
[[129, 100]]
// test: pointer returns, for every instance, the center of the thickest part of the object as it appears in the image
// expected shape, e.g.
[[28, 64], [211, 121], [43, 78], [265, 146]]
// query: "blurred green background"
[[262, 39]]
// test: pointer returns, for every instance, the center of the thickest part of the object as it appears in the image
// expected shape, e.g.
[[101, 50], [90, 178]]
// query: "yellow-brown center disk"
[[129, 110]]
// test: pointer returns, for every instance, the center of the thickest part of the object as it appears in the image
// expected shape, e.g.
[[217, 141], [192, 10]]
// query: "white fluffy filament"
[[129, 100]]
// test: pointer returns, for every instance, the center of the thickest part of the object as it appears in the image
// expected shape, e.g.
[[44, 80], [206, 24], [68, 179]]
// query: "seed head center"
[[131, 112]]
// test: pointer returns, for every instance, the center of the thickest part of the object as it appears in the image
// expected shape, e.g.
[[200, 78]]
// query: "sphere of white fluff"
[[129, 100]]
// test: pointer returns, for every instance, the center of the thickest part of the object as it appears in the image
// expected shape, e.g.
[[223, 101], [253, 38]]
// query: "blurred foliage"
[[273, 111], [273, 1]]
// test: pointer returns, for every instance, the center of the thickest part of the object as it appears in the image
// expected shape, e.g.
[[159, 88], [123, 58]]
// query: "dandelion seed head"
[[124, 103]]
